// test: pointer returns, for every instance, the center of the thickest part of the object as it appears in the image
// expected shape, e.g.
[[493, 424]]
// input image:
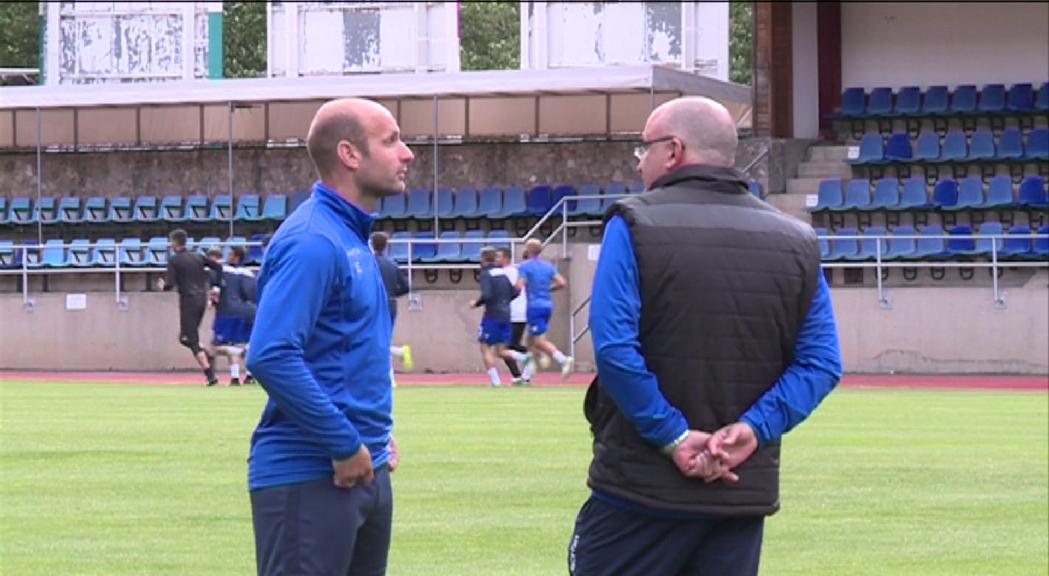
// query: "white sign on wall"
[[76, 301]]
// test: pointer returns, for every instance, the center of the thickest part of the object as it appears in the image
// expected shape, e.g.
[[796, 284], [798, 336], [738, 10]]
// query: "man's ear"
[[348, 154]]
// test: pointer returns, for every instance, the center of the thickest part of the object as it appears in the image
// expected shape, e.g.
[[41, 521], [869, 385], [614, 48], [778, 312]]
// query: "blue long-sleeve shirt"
[[320, 346], [615, 309]]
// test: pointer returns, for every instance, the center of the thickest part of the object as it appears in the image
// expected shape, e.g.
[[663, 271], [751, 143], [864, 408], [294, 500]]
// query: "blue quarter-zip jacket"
[[320, 346]]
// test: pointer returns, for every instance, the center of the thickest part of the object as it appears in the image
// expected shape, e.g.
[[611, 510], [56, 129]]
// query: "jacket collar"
[[355, 218], [727, 180]]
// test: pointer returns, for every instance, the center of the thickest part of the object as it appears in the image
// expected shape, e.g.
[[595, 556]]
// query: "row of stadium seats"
[[106, 252], [965, 100], [949, 195], [930, 243], [955, 147], [141, 209]]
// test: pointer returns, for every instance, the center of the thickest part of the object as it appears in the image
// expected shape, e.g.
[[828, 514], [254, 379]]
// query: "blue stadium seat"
[[945, 195], [1038, 144], [1010, 144], [879, 103], [613, 189], [465, 204], [936, 101], [420, 205], [79, 253], [394, 207], [857, 195], [1041, 245], [1042, 103], [927, 147], [985, 244], [538, 201], [868, 247], [196, 209], [1000, 193], [969, 194], [105, 253], [908, 101], [221, 208], [955, 147], [853, 103], [1032, 193], [422, 250], [472, 250], [589, 204], [449, 252], [28, 254], [8, 256], [886, 194], [145, 209], [171, 209], [559, 193], [636, 187], [21, 210], [754, 187], [398, 252], [898, 148], [249, 208], [963, 101], [53, 254], [961, 246], [46, 211], [872, 149], [94, 210], [496, 237], [830, 196], [1018, 244], [208, 242], [982, 145], [821, 235], [845, 248], [513, 203], [992, 99], [130, 253], [445, 203], [901, 248], [157, 252], [490, 202], [120, 210], [931, 245], [276, 208], [1020, 99], [4, 216], [69, 210], [915, 196]]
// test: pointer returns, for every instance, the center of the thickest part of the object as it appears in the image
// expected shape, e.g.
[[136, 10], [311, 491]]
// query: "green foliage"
[[740, 41], [244, 39], [489, 36], [19, 35]]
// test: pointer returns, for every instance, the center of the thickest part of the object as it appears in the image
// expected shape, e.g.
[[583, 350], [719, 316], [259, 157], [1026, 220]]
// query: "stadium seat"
[[196, 209], [5, 217], [931, 245], [927, 147], [908, 101], [1041, 245], [8, 256], [45, 211], [945, 195], [1010, 144], [490, 202], [53, 255], [21, 212], [130, 253], [1032, 193], [879, 103], [248, 209], [538, 201], [589, 204], [420, 205], [1017, 244], [445, 203], [936, 101], [221, 208], [276, 208], [992, 99], [821, 235], [1020, 99], [868, 247], [853, 103], [146, 209], [857, 195], [1038, 144], [157, 252], [963, 101], [447, 252], [955, 147], [754, 187], [970, 194], [94, 210], [561, 192], [398, 246], [636, 187], [79, 253], [472, 250], [209, 242], [914, 195], [845, 248], [105, 253], [394, 207], [465, 204], [496, 237], [612, 191], [872, 149], [961, 246], [513, 203], [984, 243], [69, 210], [171, 209], [830, 196], [982, 145], [886, 194], [120, 210], [898, 148], [901, 248], [1042, 103], [1000, 193]]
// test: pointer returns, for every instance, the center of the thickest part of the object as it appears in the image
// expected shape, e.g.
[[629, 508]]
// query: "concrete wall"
[[929, 43], [806, 70]]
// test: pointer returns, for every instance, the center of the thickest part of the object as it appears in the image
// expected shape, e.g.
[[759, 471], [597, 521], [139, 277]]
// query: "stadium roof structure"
[[518, 104]]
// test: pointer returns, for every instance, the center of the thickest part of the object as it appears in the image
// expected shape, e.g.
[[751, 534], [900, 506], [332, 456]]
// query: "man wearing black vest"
[[713, 335]]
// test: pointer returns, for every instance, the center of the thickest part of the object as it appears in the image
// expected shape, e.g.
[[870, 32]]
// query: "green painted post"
[[215, 45]]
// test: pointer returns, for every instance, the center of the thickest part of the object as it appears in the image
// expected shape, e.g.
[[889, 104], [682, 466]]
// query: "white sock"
[[520, 356], [493, 375], [397, 351], [559, 357], [234, 370], [526, 374]]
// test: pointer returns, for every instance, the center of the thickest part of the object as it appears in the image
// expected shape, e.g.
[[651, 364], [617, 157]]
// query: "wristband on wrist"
[[669, 448]]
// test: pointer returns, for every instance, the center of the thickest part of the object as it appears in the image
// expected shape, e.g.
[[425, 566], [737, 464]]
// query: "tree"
[[244, 39], [740, 41], [19, 35], [489, 36]]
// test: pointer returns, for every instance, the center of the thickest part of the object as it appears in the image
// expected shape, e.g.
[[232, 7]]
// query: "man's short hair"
[[379, 240], [177, 237], [237, 251], [487, 255], [505, 252], [323, 140], [214, 252]]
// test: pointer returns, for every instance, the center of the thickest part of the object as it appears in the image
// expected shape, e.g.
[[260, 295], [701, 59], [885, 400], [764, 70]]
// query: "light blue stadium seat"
[[927, 147], [130, 253], [472, 250], [932, 245], [445, 203], [208, 242], [46, 211], [857, 195], [915, 196], [868, 247], [120, 210], [8, 255], [105, 253], [197, 208], [396, 251], [94, 210], [901, 248], [465, 204], [79, 253], [886, 194], [513, 203], [1041, 245], [423, 251], [157, 252], [982, 145], [590, 204], [248, 208], [872, 149], [146, 209], [955, 147], [970, 195], [496, 239], [821, 236], [1000, 193], [21, 212], [830, 196], [221, 208], [171, 209], [490, 202], [1010, 144], [448, 252], [985, 245], [844, 248], [5, 216], [275, 208], [394, 207], [1018, 243], [53, 254], [69, 210], [612, 189], [420, 205]]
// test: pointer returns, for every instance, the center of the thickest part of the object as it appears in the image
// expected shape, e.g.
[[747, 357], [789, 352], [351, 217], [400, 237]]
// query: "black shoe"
[[234, 382], [249, 379], [212, 382]]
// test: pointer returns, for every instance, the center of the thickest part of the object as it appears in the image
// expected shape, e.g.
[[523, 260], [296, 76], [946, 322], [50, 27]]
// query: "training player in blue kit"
[[539, 278], [495, 331]]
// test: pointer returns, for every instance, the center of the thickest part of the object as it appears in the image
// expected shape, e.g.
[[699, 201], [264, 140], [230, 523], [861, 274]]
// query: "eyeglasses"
[[641, 149]]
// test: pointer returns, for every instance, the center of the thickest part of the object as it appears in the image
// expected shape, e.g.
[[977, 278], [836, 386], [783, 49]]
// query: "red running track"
[[979, 382]]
